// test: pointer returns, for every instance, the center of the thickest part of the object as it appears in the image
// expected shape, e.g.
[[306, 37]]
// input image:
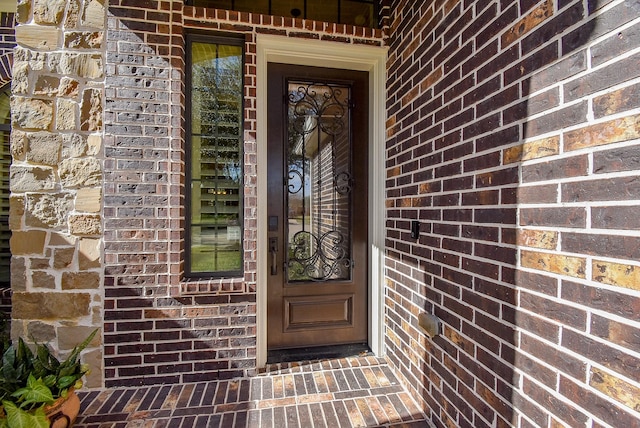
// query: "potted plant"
[[35, 384]]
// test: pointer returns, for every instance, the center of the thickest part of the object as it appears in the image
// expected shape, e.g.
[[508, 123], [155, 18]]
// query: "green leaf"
[[50, 380], [36, 392], [38, 369], [44, 355], [8, 365], [53, 362], [67, 371], [9, 356], [66, 381], [24, 354], [76, 351], [18, 418]]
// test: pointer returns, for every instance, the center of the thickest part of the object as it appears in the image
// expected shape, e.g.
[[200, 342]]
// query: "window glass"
[[321, 10], [215, 158], [358, 13], [290, 8], [5, 163], [355, 12], [253, 6]]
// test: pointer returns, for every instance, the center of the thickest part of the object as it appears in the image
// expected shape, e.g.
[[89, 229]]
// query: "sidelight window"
[[5, 162], [214, 154]]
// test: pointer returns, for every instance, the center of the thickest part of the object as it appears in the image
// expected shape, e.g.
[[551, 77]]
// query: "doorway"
[[372, 60], [317, 209]]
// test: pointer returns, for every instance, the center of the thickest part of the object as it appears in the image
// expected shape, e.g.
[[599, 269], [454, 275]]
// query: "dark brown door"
[[317, 203]]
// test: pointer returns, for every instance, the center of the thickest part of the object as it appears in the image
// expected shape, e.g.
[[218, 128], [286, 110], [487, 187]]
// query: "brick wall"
[[513, 139], [159, 328]]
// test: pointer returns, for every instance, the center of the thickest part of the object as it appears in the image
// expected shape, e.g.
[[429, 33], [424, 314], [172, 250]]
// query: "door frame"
[[271, 48]]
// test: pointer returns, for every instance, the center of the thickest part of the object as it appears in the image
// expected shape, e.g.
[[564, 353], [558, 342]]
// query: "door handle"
[[273, 249]]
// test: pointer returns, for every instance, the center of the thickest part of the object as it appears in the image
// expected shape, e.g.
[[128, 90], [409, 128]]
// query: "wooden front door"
[[317, 207]]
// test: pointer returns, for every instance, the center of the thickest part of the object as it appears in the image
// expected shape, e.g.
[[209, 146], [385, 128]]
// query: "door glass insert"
[[319, 182]]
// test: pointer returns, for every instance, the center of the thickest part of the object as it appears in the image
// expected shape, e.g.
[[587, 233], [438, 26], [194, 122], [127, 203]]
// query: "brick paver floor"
[[349, 392]]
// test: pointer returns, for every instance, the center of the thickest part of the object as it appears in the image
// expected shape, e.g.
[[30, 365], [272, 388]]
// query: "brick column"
[[56, 174]]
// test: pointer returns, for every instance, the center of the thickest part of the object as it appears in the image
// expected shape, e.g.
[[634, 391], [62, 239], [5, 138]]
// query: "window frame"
[[5, 282], [375, 19], [200, 37]]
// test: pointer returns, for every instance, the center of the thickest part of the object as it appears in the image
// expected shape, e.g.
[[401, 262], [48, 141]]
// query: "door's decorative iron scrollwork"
[[343, 183], [329, 260], [323, 102], [319, 182], [296, 181]]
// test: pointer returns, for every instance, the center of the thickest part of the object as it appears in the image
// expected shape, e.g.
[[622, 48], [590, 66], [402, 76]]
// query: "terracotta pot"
[[63, 412]]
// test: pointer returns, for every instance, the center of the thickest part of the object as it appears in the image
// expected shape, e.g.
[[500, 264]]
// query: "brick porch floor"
[[349, 392]]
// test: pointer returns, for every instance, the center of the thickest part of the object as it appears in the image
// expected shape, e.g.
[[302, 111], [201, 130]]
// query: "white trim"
[[285, 50]]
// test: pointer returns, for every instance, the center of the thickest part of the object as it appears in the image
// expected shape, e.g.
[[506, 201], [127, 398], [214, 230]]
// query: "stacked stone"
[[56, 173]]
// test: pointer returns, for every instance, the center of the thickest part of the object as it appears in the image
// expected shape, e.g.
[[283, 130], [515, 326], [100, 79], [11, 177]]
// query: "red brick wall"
[[159, 328], [513, 139]]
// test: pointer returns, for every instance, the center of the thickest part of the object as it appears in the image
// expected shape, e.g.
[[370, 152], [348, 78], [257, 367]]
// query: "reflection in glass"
[[5, 163], [288, 8], [253, 6], [358, 13], [321, 10], [362, 13], [216, 168], [319, 186]]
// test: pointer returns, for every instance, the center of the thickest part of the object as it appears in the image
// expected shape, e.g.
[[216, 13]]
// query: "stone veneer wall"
[[159, 328], [56, 174], [514, 139]]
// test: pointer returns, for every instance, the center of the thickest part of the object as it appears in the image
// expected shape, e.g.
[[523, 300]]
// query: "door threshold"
[[318, 353]]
